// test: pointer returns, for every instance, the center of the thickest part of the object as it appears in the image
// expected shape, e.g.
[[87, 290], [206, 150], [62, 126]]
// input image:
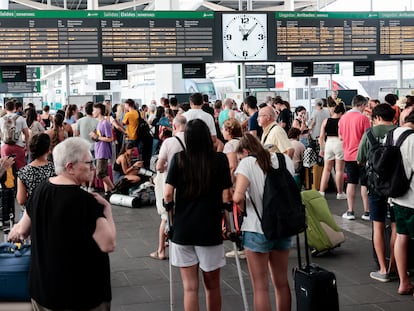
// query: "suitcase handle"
[[18, 249], [307, 263]]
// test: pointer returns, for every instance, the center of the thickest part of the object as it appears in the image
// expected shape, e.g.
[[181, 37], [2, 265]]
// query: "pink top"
[[351, 127]]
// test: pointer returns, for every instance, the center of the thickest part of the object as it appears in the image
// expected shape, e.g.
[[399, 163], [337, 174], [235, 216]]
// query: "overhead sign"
[[260, 70], [20, 87], [260, 83], [366, 68], [13, 74], [115, 72], [194, 71], [325, 69], [302, 69]]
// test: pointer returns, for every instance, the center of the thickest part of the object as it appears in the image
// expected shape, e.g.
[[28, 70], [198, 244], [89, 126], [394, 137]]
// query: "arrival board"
[[324, 36]]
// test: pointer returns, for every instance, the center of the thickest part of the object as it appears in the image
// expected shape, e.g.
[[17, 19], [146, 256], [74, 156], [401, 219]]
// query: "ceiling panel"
[[300, 5]]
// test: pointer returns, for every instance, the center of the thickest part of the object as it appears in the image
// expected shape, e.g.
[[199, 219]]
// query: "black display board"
[[115, 72], [100, 86], [49, 37], [365, 68], [326, 36], [194, 71], [13, 74], [157, 37], [302, 69], [132, 37]]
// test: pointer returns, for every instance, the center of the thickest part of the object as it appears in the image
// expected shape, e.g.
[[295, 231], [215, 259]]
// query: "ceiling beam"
[[215, 7], [36, 5], [124, 6]]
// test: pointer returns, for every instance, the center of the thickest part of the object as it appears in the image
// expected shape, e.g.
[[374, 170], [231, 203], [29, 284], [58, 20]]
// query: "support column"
[[168, 77]]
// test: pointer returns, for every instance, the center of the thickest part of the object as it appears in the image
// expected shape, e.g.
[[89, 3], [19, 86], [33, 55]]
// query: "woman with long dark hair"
[[200, 179], [262, 254]]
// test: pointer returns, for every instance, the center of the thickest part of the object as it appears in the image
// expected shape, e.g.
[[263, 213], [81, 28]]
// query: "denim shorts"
[[258, 243], [404, 220], [378, 208]]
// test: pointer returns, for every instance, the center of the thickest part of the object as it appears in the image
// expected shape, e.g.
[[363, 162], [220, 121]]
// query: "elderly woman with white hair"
[[72, 232]]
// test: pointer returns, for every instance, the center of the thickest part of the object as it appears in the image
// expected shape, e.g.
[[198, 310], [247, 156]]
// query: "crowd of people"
[[208, 156]]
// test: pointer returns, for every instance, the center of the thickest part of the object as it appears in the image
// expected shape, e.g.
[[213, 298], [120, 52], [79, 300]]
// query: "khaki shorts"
[[333, 149], [102, 168]]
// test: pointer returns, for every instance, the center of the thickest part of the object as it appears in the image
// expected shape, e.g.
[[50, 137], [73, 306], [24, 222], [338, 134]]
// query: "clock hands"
[[246, 34]]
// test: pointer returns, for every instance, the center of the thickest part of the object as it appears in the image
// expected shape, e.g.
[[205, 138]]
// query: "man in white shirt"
[[196, 112]]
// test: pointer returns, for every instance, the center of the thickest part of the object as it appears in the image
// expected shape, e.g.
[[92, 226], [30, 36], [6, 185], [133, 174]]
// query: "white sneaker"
[[365, 216], [240, 254], [322, 193], [349, 215], [341, 196]]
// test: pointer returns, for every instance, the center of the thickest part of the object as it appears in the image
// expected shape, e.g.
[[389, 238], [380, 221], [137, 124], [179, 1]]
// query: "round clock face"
[[244, 37]]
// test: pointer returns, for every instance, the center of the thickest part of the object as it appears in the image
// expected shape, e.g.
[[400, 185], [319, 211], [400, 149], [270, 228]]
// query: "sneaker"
[[349, 215], [322, 193], [341, 196], [232, 254], [379, 276], [365, 216]]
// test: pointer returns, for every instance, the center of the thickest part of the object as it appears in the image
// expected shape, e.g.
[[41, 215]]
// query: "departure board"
[[157, 37], [49, 37], [396, 30], [324, 36]]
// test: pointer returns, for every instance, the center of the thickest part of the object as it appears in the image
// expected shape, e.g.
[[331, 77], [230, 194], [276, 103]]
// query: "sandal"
[[408, 291], [156, 255]]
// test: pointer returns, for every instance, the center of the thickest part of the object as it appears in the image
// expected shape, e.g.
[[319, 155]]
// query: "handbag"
[[14, 271], [309, 157]]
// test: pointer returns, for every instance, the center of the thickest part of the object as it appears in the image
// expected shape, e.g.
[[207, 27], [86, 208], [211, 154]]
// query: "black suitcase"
[[315, 287]]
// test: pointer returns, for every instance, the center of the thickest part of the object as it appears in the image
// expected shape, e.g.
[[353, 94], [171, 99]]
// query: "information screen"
[[153, 37], [326, 36], [49, 37], [396, 31]]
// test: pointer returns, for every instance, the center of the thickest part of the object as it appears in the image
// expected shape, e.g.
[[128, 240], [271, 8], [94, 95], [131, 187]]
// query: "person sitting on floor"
[[123, 167]]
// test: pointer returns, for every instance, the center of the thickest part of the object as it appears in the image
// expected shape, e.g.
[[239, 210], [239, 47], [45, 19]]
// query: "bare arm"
[[161, 164], [21, 195], [239, 194], [322, 134], [105, 231], [21, 230]]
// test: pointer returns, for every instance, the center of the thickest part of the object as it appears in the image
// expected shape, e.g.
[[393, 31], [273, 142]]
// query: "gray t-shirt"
[[86, 125], [318, 116]]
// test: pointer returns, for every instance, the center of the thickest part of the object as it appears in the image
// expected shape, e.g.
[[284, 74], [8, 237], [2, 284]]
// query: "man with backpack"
[[11, 128], [404, 208], [373, 138]]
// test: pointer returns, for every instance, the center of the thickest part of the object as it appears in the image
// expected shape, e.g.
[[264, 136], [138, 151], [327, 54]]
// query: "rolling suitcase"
[[323, 232], [315, 287], [14, 270]]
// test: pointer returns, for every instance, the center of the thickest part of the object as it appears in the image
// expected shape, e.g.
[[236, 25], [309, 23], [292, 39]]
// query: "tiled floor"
[[141, 283]]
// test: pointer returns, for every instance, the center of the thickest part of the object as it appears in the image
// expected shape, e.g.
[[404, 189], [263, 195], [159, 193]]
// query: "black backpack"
[[283, 212], [143, 129], [385, 168]]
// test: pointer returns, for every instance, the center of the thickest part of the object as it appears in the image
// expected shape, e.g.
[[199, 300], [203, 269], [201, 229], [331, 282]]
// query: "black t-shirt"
[[198, 222], [285, 116], [68, 270]]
